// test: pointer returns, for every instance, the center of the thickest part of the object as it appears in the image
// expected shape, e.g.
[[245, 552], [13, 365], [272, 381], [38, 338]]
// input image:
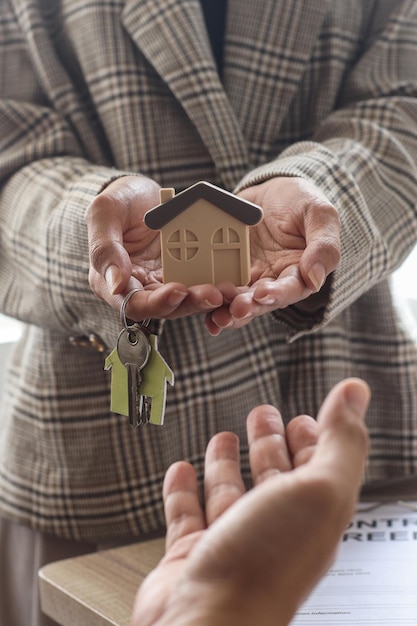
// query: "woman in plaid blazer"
[[319, 91]]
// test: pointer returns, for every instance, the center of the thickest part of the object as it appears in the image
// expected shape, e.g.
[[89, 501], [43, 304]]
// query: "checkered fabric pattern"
[[92, 90]]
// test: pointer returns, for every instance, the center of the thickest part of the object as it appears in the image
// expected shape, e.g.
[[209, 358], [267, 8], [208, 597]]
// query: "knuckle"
[[93, 208], [99, 253], [333, 250]]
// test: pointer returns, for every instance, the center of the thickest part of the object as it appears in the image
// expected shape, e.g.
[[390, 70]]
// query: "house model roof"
[[241, 209]]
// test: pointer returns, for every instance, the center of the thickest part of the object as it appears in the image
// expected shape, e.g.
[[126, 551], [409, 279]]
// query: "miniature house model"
[[204, 235]]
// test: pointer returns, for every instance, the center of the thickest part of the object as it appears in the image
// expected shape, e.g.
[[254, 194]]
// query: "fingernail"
[[176, 297], [266, 300], [210, 305], [357, 397], [274, 420], [244, 317], [317, 275], [113, 278], [228, 325]]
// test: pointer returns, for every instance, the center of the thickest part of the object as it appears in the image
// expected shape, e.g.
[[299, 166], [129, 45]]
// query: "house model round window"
[[182, 244]]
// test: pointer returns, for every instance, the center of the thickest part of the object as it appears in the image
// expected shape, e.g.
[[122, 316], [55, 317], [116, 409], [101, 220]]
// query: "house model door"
[[227, 257]]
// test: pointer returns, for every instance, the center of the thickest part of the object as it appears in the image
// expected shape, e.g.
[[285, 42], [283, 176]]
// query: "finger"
[[172, 300], [156, 303], [144, 303], [240, 312], [183, 512], [113, 214], [222, 317], [289, 288], [343, 441], [223, 483], [302, 434], [109, 259], [268, 451], [322, 253], [263, 296], [211, 326], [201, 299]]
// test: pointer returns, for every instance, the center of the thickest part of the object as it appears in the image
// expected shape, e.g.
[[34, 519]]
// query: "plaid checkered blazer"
[[92, 90]]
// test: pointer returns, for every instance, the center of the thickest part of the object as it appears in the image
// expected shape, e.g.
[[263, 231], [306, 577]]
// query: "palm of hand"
[[277, 243], [144, 249], [158, 588]]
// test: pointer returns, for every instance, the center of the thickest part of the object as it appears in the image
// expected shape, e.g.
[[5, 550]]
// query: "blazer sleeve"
[[364, 157], [47, 178]]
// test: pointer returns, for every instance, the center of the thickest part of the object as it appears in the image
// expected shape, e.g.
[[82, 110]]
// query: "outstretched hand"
[[253, 558]]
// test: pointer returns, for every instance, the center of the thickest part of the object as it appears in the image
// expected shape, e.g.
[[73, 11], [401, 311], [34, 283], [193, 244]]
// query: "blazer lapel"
[[173, 37], [268, 45]]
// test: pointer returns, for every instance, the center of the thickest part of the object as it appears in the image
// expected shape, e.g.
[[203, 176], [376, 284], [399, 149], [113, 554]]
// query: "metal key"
[[155, 376], [133, 349]]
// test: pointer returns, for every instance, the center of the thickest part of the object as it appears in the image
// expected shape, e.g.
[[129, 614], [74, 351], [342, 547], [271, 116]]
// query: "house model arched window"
[[204, 235]]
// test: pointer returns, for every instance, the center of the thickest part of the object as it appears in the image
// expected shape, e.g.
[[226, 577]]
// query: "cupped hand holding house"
[[294, 251], [125, 254]]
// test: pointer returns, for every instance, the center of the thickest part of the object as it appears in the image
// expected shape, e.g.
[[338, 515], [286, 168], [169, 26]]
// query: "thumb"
[[343, 439]]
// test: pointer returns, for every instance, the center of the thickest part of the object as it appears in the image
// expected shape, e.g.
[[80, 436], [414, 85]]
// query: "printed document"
[[374, 577]]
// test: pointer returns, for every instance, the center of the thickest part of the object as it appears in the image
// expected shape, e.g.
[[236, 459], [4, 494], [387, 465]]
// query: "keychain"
[[139, 373]]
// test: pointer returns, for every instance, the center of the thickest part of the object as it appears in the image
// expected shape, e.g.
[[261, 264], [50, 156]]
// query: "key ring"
[[123, 310]]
